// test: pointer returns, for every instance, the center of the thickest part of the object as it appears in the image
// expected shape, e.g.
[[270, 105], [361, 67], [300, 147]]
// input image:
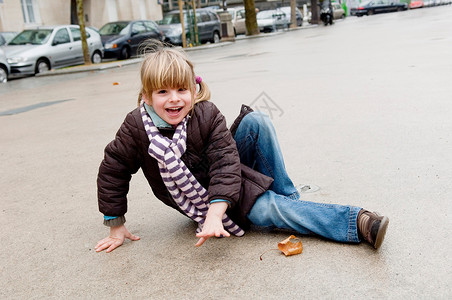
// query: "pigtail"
[[203, 92], [140, 95]]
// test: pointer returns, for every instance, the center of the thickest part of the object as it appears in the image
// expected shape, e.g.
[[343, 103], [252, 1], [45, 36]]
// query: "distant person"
[[225, 180]]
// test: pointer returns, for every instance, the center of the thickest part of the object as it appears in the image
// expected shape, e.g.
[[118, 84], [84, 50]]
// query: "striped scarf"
[[186, 191]]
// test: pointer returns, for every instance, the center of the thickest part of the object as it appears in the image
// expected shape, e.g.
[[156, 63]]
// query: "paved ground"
[[362, 110]]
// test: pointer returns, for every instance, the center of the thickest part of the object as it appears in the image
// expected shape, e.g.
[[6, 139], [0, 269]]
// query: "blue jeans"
[[281, 206]]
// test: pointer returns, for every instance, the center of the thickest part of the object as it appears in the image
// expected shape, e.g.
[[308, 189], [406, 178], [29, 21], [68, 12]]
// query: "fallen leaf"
[[291, 246], [115, 83]]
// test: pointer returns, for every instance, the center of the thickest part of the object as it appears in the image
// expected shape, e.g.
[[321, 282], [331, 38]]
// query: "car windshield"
[[33, 37], [120, 28], [172, 19]]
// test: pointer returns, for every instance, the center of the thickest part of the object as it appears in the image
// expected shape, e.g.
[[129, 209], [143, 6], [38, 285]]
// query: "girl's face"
[[172, 105]]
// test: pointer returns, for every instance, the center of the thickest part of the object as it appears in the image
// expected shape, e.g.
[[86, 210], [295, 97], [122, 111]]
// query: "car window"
[[204, 17], [213, 16], [113, 28], [34, 37], [61, 37], [150, 26], [76, 34], [138, 28]]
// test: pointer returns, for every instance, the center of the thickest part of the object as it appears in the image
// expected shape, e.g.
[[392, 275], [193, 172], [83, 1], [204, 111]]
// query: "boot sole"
[[381, 232]]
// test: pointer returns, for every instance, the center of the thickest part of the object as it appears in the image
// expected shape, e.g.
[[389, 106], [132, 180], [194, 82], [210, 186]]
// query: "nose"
[[174, 95]]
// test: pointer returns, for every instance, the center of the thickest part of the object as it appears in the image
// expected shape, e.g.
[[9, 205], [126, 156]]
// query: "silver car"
[[38, 50], [4, 67]]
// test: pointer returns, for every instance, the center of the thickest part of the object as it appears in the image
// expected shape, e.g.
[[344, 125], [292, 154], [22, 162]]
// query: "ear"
[[146, 99]]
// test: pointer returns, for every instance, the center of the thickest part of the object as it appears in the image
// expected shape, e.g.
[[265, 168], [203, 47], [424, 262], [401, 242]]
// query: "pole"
[[181, 16], [195, 23]]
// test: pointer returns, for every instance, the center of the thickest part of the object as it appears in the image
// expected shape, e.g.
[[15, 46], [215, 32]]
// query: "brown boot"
[[372, 227]]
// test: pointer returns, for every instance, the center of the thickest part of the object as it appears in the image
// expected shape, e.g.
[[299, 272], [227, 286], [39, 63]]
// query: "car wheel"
[[42, 66], [343, 16], [370, 12], [216, 37], [96, 58], [3, 75], [125, 53]]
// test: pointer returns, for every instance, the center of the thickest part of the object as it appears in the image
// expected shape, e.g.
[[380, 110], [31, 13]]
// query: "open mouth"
[[174, 109]]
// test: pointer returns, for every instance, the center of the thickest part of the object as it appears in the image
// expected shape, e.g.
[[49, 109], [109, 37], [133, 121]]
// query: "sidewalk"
[[120, 63]]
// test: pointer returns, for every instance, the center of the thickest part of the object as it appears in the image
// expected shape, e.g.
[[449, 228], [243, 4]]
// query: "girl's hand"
[[117, 236], [213, 225]]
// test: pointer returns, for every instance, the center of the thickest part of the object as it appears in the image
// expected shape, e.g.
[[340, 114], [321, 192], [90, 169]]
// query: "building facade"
[[17, 15]]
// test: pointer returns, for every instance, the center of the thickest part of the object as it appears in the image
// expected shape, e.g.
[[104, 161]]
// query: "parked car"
[[377, 6], [4, 67], [338, 11], [38, 50], [122, 39], [6, 37], [271, 20], [416, 4], [298, 15], [238, 19], [208, 22]]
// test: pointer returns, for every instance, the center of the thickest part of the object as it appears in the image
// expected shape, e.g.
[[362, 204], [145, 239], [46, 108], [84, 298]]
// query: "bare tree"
[[81, 22], [314, 12], [293, 15], [250, 18]]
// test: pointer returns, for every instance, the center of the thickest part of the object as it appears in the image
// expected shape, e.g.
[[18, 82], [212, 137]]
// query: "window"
[[61, 37], [151, 27], [205, 17], [30, 12], [76, 34], [138, 28]]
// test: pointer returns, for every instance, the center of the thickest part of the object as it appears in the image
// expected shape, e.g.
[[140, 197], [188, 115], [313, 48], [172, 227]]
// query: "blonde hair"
[[167, 67]]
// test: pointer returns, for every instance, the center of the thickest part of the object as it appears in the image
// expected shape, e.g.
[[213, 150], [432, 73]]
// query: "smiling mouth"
[[174, 110]]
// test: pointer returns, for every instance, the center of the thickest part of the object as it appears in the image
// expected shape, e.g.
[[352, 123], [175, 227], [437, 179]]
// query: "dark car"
[[376, 7], [207, 21], [122, 39]]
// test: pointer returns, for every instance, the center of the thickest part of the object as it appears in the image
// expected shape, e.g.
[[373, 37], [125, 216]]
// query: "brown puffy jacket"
[[211, 156]]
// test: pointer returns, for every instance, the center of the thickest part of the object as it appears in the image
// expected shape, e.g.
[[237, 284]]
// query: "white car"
[[238, 19], [38, 50], [4, 67]]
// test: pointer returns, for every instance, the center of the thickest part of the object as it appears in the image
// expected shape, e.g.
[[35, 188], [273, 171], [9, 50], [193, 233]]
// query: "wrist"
[[217, 209]]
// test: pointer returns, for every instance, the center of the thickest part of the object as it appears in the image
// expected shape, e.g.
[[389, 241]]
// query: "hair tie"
[[198, 79]]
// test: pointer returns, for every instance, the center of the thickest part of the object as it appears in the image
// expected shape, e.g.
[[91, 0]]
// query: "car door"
[[62, 49], [240, 26], [77, 40], [137, 35], [152, 30], [203, 20]]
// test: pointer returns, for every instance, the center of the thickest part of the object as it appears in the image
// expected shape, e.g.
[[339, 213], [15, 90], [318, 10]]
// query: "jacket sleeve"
[[223, 157], [121, 160]]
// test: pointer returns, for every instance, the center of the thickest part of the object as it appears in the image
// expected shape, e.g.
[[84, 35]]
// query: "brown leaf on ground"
[[291, 246]]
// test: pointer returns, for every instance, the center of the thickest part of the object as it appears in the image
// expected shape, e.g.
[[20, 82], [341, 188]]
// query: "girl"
[[223, 179]]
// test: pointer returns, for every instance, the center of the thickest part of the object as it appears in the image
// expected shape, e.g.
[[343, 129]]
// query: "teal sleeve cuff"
[[220, 200], [107, 218]]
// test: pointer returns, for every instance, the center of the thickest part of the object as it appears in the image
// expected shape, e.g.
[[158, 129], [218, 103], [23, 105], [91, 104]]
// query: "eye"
[[161, 91], [182, 89]]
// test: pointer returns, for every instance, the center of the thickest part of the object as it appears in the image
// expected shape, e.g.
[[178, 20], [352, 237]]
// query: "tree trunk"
[[293, 15], [250, 18], [81, 23], [314, 12]]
